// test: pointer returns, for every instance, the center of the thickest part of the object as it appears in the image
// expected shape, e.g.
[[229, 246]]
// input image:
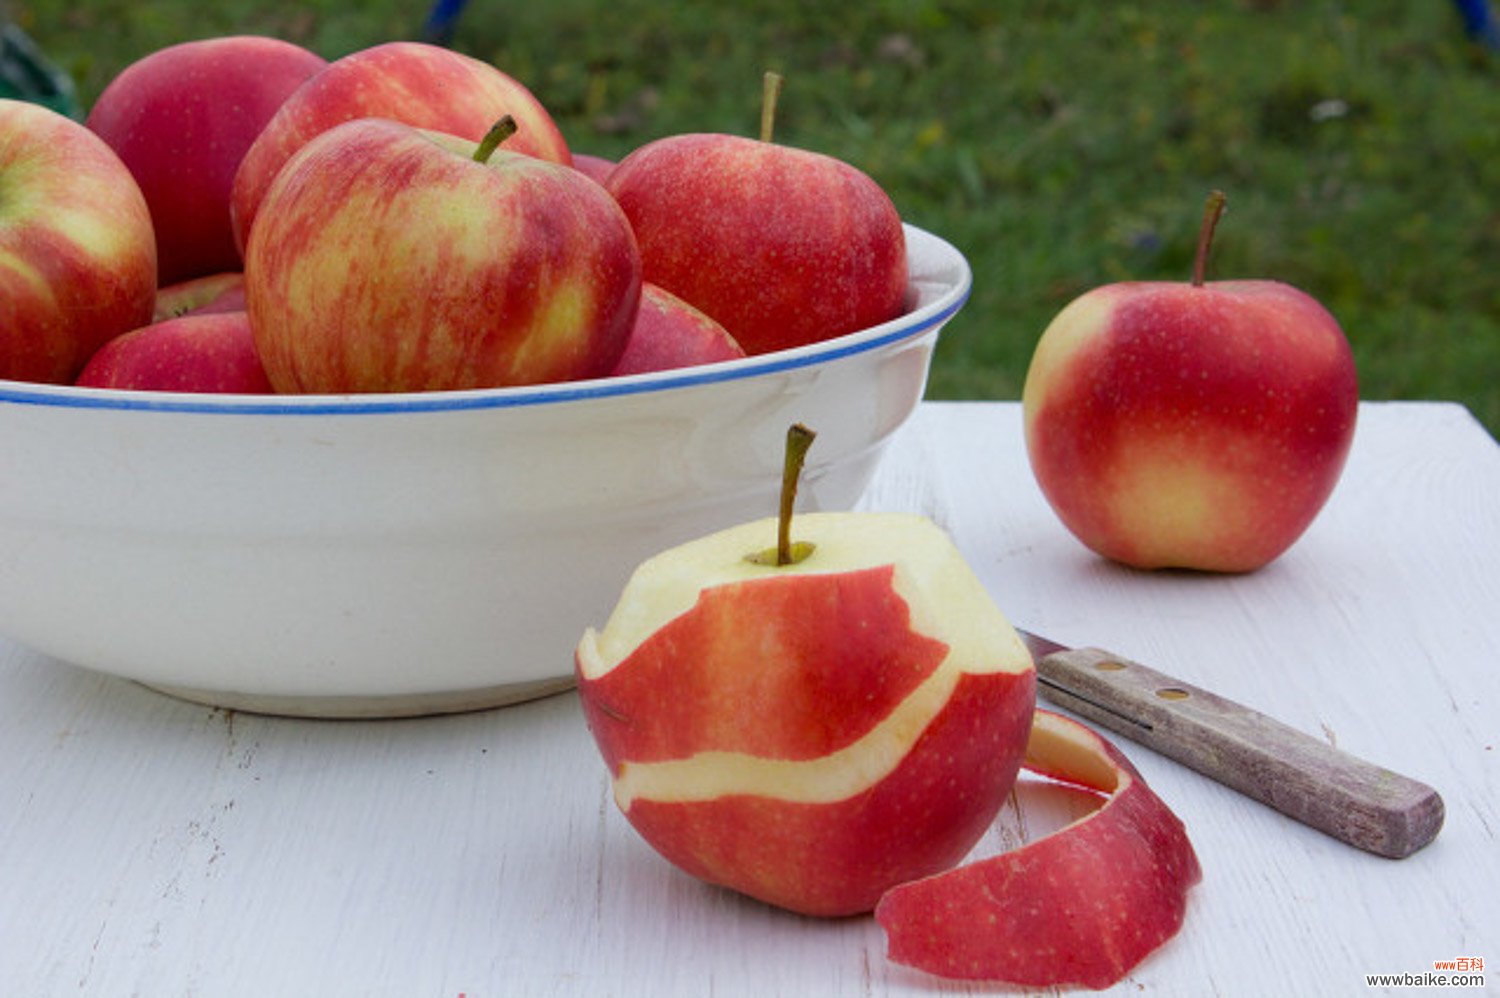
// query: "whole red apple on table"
[[411, 82], [782, 246], [1192, 425], [77, 254], [208, 352], [182, 118], [386, 259], [669, 333]]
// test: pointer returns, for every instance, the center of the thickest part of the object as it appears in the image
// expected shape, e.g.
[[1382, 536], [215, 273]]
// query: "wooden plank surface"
[[155, 847]]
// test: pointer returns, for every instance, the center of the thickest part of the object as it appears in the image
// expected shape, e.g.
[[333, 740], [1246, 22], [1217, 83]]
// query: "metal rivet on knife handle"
[[1355, 801]]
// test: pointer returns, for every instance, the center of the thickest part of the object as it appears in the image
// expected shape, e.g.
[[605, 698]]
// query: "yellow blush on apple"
[[1190, 425]]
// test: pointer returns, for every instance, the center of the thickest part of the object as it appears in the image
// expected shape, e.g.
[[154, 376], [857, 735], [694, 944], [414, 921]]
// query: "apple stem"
[[770, 92], [498, 133], [798, 439], [1211, 214]]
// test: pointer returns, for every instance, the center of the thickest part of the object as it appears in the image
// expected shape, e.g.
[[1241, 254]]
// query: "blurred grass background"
[[1060, 145]]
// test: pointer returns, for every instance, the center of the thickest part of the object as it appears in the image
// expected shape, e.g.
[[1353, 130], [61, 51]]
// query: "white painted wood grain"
[[153, 847]]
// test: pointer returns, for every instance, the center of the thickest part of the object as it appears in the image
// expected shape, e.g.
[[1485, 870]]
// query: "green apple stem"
[[498, 133], [1211, 214], [770, 92], [798, 439]]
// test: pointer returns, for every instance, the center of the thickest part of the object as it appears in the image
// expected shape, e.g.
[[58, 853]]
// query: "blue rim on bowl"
[[926, 316]]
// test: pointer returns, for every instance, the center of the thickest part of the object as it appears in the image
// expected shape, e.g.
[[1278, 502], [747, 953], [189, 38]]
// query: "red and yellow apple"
[[77, 254], [200, 352], [389, 259], [669, 333], [782, 246], [815, 733], [1082, 906], [422, 85], [182, 118], [1192, 425]]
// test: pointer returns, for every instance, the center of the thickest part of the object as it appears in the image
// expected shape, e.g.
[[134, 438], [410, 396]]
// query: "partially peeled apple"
[[831, 722], [816, 732]]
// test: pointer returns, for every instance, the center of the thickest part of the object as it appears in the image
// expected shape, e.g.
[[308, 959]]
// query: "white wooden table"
[[153, 847]]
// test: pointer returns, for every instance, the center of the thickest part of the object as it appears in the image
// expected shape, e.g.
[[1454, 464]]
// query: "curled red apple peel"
[[1082, 906]]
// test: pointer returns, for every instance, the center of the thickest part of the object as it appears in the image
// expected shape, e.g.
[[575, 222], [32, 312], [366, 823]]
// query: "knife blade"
[[1357, 802]]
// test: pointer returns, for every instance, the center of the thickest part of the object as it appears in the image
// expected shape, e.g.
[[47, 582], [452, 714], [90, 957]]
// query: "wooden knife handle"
[[1355, 801]]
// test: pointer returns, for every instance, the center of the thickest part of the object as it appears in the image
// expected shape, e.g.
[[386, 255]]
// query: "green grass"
[[1060, 145]]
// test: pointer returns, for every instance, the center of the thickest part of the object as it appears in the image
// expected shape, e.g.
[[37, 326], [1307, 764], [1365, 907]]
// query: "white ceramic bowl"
[[386, 555]]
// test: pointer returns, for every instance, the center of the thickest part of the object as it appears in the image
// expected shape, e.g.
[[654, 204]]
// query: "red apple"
[[670, 333], [388, 259], [594, 166], [814, 733], [1082, 906], [1198, 425], [782, 246], [182, 118], [224, 292], [211, 352], [79, 258], [418, 84]]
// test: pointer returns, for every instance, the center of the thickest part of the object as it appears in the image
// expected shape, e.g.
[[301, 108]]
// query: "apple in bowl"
[[782, 246], [386, 258], [209, 351], [417, 84], [182, 119], [78, 248]]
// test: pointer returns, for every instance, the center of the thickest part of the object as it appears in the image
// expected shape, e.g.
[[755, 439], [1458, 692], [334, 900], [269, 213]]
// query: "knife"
[[1355, 801]]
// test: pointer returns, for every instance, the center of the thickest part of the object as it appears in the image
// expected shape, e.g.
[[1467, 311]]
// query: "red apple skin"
[[422, 85], [223, 292], [77, 254], [181, 119], [839, 859], [1082, 906], [669, 333], [782, 246], [596, 167], [386, 259], [212, 352], [1179, 426], [833, 654]]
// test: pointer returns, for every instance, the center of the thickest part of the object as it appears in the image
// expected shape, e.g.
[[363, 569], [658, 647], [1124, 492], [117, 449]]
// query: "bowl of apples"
[[451, 466]]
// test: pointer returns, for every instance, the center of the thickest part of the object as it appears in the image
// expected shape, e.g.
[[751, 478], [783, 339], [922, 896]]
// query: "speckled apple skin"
[[669, 333], [781, 246], [206, 352], [1204, 427], [417, 84], [386, 260], [182, 118]]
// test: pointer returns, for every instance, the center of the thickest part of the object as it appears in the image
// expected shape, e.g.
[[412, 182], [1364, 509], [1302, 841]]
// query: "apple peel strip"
[[1081, 906]]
